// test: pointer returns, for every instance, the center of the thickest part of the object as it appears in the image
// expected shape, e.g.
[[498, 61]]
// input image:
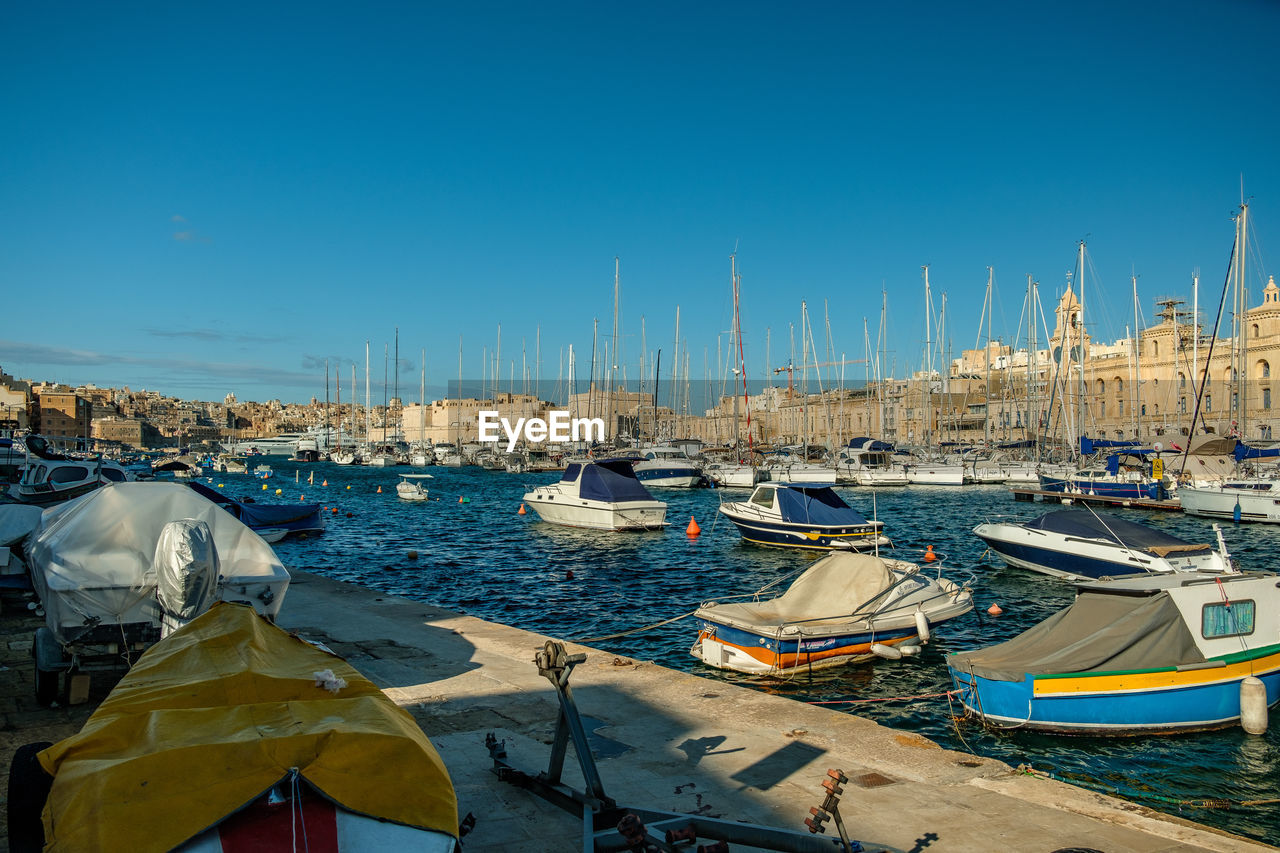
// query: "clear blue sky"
[[203, 198]]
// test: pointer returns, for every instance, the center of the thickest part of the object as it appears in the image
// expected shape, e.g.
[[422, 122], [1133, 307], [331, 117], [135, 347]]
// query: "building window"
[[1182, 380], [1208, 402], [1266, 398], [1264, 369], [1182, 405], [1227, 619]]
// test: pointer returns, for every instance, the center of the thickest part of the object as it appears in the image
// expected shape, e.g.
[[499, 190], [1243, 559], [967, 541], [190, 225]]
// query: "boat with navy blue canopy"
[[804, 515], [300, 519], [602, 495], [1082, 544]]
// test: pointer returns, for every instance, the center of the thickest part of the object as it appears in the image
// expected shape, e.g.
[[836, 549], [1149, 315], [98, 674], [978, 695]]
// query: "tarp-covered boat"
[[1133, 655], [93, 559], [844, 608], [300, 518], [232, 734]]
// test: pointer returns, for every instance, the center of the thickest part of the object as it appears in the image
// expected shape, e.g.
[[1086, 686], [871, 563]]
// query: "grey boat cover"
[[1087, 524], [1100, 632], [834, 587], [16, 521]]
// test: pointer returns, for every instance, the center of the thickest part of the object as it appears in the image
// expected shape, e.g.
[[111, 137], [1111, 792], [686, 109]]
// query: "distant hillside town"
[[1143, 387]]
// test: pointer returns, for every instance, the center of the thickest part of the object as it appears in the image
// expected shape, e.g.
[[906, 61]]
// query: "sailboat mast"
[[368, 408], [1242, 307], [987, 310]]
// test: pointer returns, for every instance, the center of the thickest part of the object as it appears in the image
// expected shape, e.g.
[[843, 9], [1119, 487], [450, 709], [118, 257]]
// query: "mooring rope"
[[637, 630]]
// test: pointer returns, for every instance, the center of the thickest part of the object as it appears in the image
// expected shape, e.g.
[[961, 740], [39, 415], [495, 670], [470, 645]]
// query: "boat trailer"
[[608, 826]]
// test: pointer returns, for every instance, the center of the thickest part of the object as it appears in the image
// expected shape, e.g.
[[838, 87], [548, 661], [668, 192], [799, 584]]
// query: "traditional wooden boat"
[[1141, 654]]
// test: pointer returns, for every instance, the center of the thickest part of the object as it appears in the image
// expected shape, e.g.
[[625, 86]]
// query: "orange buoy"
[[335, 510], [929, 556], [379, 489], [325, 483], [302, 497], [693, 529], [521, 511], [994, 610]]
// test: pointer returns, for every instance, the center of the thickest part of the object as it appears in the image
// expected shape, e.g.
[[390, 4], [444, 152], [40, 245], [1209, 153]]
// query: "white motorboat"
[[844, 608], [806, 515], [734, 475], [602, 495], [49, 478], [869, 463], [412, 487], [666, 467], [1082, 544]]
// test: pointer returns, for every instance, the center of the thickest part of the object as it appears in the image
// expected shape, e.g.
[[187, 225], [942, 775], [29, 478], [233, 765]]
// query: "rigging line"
[[1204, 377], [586, 640]]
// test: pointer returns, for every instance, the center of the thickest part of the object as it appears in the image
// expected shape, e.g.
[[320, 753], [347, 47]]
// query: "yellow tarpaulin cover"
[[214, 715]]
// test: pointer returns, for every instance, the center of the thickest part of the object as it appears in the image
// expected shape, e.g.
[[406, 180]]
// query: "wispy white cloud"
[[213, 336], [177, 217], [182, 371]]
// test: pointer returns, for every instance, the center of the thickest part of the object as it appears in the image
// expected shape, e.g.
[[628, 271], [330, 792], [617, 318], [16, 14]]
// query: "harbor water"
[[468, 549]]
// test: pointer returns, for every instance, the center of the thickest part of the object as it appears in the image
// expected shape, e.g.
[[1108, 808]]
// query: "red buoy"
[[693, 530]]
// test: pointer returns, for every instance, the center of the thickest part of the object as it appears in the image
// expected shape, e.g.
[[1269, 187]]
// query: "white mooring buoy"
[[922, 626], [1253, 705]]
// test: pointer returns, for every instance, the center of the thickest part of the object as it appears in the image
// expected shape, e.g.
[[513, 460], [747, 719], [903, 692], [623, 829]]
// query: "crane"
[[790, 368]]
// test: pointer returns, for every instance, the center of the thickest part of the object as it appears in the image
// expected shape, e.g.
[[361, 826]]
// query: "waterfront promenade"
[[674, 741]]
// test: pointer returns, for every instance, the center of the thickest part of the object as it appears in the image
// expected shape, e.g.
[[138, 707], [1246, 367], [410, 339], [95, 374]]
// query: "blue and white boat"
[[1081, 544], [300, 519], [1142, 654], [602, 495], [1126, 473], [806, 515], [666, 467]]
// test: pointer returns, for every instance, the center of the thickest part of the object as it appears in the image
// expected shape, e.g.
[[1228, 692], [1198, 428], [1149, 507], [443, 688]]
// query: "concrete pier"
[[672, 741]]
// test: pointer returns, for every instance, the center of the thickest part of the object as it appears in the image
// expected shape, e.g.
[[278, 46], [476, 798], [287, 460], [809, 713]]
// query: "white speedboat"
[[869, 463], [734, 475], [1082, 544], [843, 609], [602, 495], [412, 488]]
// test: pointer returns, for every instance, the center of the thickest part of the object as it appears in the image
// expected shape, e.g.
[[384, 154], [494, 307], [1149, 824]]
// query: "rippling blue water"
[[482, 558]]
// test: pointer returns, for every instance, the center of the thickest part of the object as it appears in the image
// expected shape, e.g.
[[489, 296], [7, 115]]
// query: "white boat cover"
[[93, 559], [832, 588], [16, 521], [1098, 633]]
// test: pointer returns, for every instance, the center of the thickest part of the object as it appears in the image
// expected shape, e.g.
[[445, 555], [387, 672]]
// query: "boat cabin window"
[[1227, 619], [34, 475], [763, 497], [68, 474], [113, 475]]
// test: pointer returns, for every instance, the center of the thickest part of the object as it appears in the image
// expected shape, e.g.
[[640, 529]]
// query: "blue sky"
[[212, 198]]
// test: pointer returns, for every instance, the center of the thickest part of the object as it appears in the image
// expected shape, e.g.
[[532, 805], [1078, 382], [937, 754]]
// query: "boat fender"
[[886, 652], [1253, 705], [922, 626], [909, 650]]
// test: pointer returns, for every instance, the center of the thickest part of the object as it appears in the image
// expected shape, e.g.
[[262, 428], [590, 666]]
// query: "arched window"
[[1182, 380], [1253, 330], [1263, 369], [1102, 387], [1118, 385]]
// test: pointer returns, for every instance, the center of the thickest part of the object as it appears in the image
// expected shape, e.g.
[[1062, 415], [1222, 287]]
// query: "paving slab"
[[681, 743]]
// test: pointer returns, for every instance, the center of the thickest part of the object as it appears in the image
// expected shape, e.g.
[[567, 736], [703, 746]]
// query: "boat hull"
[[1073, 557], [1233, 504], [1120, 703], [726, 647], [936, 475], [1133, 490], [598, 515], [857, 537]]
